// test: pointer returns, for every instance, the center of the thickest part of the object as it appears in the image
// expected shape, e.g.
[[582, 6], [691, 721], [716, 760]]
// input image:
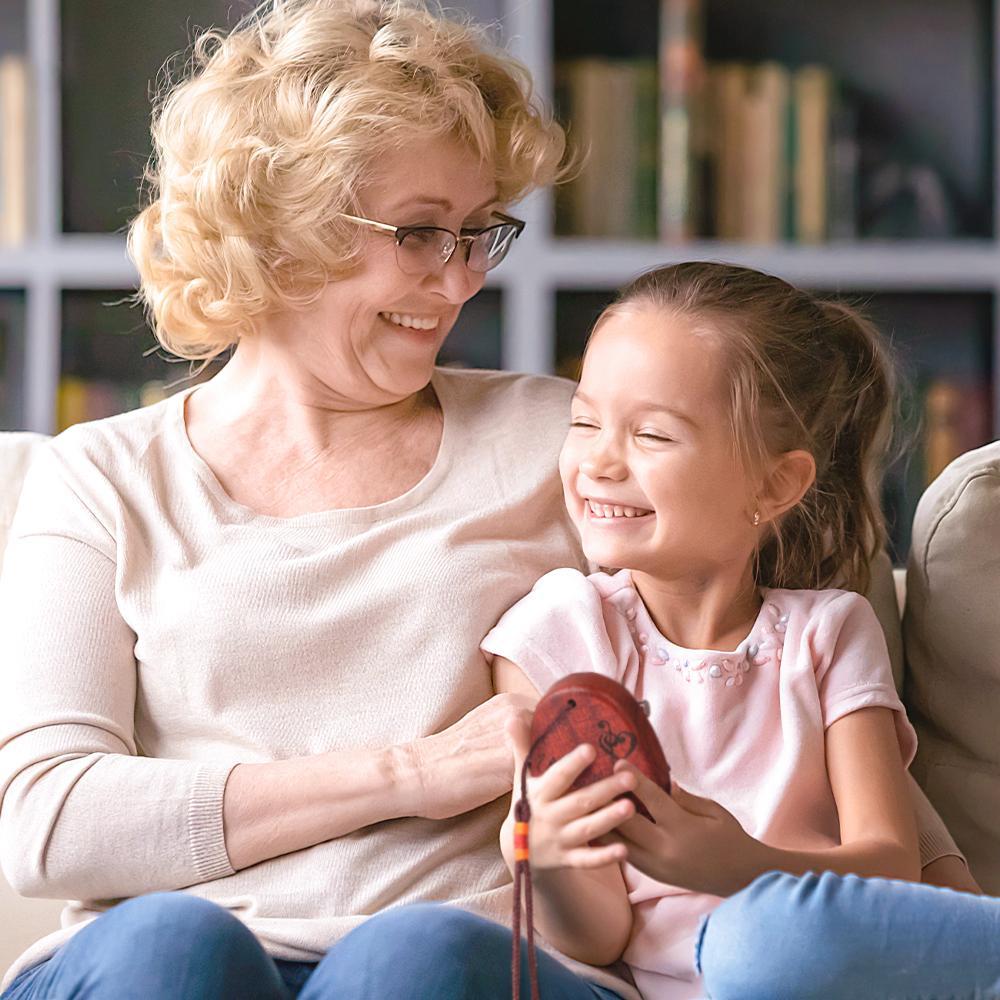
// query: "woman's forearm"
[[288, 805], [275, 808]]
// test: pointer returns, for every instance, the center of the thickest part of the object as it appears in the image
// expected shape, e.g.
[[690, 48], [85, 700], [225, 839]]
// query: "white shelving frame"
[[542, 264]]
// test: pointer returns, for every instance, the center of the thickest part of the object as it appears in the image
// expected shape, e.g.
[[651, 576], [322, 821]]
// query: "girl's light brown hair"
[[272, 131], [803, 373]]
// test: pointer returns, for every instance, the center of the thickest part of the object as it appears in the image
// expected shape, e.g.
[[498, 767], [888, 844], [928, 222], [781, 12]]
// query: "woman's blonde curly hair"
[[274, 128]]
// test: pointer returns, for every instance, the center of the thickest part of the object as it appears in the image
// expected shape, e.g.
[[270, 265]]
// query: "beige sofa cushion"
[[951, 630], [16, 451], [22, 920]]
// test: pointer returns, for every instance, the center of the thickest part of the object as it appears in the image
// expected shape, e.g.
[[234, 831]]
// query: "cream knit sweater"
[[157, 633]]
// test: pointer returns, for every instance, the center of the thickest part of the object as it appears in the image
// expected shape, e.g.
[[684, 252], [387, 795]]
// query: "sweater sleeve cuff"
[[935, 844], [206, 835]]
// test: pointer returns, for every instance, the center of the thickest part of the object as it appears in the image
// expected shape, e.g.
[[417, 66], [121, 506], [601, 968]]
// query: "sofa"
[[945, 652]]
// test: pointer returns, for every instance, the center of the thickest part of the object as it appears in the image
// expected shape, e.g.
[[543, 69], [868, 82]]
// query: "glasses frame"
[[465, 236]]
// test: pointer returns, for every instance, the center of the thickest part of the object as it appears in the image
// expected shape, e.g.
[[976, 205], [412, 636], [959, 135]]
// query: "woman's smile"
[[411, 321]]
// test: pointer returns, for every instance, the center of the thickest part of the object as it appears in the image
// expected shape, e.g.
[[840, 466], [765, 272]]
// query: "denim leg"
[[164, 945], [829, 936], [429, 951]]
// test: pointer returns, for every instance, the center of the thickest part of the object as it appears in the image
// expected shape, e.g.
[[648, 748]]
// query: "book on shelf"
[[941, 417], [611, 108], [765, 154], [812, 96], [682, 83], [15, 125], [956, 419]]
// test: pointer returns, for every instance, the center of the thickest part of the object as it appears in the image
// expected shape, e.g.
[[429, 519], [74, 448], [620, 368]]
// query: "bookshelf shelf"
[[100, 261], [518, 312], [71, 261], [960, 264]]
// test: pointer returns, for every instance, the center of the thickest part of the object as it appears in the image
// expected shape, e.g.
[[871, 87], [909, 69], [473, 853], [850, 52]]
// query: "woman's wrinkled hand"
[[694, 843], [471, 762]]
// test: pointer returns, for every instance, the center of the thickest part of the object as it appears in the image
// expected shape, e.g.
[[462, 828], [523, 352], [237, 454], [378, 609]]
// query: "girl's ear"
[[790, 476]]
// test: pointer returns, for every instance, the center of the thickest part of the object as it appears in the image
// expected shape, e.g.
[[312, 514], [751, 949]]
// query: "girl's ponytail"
[[834, 533]]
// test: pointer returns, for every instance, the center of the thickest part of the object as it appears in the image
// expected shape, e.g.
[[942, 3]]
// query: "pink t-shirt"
[[745, 728]]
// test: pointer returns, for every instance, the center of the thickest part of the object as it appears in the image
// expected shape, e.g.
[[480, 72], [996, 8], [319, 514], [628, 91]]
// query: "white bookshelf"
[[541, 264]]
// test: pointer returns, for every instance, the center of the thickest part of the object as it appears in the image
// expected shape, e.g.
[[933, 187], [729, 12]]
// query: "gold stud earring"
[[756, 518]]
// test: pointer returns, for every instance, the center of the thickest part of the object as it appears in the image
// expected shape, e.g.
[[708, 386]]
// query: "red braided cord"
[[530, 919], [522, 885], [515, 962], [522, 879]]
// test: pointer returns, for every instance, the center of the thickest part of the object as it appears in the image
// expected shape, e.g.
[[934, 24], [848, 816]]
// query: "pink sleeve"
[[557, 629], [853, 670]]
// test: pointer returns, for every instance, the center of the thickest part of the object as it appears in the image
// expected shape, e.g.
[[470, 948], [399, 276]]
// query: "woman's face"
[[373, 336]]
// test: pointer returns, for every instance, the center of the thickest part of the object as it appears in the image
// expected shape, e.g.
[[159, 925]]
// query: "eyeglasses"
[[426, 249]]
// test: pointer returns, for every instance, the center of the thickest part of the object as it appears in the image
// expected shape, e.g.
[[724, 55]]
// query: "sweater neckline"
[[240, 513]]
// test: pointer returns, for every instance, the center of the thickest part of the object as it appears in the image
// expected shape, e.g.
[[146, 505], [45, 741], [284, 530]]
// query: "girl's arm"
[[878, 829], [582, 911], [699, 845]]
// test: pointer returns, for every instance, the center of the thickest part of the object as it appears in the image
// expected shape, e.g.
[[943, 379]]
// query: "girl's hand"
[[694, 844], [563, 822]]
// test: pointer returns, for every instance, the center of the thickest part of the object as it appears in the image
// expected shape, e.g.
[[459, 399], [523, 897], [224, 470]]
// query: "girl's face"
[[649, 470]]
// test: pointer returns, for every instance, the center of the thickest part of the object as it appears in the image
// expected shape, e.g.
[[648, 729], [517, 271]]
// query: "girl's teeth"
[[609, 511], [413, 322]]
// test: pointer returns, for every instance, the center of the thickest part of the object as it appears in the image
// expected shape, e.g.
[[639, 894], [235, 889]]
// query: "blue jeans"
[[847, 938], [181, 947]]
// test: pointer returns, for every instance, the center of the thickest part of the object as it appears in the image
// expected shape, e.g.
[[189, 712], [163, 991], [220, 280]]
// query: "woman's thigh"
[[829, 936], [165, 945], [430, 951]]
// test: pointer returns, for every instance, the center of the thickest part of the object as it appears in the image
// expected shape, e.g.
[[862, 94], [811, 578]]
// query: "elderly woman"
[[242, 626]]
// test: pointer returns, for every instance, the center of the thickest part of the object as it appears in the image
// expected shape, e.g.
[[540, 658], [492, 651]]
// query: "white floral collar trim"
[[765, 642]]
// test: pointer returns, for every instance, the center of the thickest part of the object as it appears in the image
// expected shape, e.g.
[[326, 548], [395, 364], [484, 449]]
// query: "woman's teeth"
[[412, 322], [606, 510]]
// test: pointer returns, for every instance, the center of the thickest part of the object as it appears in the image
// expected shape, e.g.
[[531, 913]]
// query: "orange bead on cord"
[[521, 842]]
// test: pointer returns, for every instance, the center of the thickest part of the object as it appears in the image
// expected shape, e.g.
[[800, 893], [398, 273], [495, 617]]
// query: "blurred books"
[[80, 399], [14, 145], [943, 417], [755, 153], [611, 106]]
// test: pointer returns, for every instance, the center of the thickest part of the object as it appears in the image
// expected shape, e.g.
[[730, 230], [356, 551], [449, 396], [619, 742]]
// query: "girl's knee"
[[781, 931]]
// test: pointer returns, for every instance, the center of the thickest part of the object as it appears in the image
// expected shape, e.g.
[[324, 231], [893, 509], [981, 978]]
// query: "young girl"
[[722, 451]]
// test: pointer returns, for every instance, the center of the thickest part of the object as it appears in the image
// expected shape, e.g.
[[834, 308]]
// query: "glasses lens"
[[424, 250], [490, 247]]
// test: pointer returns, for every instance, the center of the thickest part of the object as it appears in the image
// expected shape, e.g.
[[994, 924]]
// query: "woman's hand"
[[468, 764], [694, 844], [563, 822]]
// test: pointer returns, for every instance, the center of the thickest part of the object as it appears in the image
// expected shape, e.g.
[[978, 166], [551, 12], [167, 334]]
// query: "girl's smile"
[[608, 512]]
